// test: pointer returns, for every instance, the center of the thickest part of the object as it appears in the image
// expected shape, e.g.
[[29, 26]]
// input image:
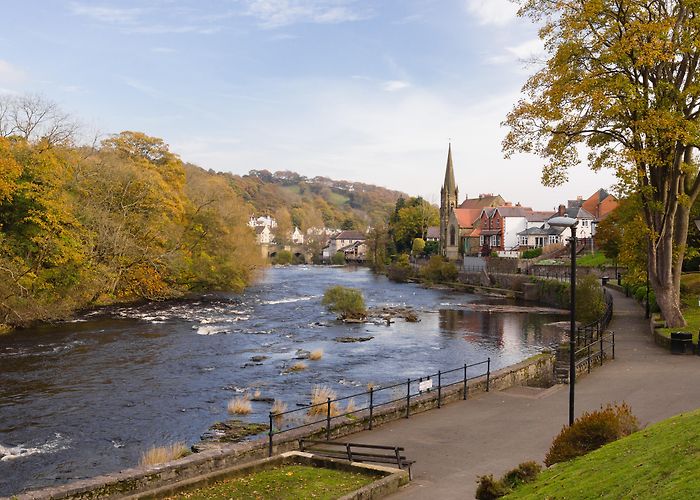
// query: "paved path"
[[494, 432]]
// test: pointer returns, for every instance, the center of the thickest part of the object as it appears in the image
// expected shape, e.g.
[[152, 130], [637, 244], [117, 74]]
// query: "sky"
[[369, 91]]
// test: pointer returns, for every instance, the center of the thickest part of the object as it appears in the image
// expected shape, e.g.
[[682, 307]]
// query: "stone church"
[[459, 222]]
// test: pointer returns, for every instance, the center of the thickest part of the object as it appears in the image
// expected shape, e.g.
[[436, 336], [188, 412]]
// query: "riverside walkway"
[[493, 432]]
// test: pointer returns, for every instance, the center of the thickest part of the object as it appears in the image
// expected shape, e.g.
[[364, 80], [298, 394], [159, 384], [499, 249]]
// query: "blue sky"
[[368, 91]]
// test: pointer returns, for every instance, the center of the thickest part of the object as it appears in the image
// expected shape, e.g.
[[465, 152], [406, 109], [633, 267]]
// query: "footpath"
[[494, 432]]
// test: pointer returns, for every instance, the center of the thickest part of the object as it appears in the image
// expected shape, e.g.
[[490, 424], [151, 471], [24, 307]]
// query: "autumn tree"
[[620, 81]]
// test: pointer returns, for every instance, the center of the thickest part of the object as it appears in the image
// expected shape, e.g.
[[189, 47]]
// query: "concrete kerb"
[[537, 371], [388, 480]]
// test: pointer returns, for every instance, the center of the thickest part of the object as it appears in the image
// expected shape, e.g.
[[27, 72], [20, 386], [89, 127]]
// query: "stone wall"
[[537, 371]]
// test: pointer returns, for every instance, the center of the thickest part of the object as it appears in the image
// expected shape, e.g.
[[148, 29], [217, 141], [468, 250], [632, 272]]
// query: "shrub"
[[438, 269], [418, 246], [400, 270], [316, 354], [526, 472], [162, 454], [283, 257], [347, 302], [590, 304], [240, 406], [591, 431], [490, 488], [532, 253], [338, 259], [319, 401]]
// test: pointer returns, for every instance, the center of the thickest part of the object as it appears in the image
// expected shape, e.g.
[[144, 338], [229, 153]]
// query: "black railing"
[[591, 332], [402, 392], [596, 351]]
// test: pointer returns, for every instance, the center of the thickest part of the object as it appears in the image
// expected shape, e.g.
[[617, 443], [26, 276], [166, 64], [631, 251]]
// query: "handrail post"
[[602, 350], [613, 345], [464, 390], [371, 405], [328, 421], [408, 398], [488, 373], [270, 432], [439, 388], [589, 358]]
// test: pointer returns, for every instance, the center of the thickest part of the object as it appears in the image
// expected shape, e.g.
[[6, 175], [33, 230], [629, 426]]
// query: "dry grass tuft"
[[161, 454], [319, 401], [370, 386], [240, 406], [278, 408], [350, 407], [298, 367], [316, 355]]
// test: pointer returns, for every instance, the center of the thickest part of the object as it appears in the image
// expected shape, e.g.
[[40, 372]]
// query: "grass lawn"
[[659, 462], [284, 482], [593, 260], [690, 292]]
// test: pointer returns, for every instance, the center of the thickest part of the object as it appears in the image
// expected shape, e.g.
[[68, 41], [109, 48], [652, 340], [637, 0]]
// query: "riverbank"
[[88, 397]]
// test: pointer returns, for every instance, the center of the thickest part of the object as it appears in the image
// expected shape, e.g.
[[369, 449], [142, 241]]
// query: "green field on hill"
[[659, 462]]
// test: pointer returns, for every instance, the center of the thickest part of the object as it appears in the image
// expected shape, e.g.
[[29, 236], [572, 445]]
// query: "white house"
[[262, 221], [297, 236], [263, 235]]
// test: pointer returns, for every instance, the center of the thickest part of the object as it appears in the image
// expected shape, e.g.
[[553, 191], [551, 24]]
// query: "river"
[[87, 397]]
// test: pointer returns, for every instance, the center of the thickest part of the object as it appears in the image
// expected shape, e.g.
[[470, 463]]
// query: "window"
[[452, 235]]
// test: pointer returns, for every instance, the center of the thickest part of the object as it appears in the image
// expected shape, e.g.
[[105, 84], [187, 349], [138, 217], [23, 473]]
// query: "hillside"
[[657, 462], [315, 202]]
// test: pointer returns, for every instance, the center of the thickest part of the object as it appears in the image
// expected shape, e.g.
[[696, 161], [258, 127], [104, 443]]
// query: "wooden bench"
[[355, 452]]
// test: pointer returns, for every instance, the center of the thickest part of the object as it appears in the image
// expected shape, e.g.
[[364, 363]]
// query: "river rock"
[[258, 359], [302, 354], [230, 431], [347, 340]]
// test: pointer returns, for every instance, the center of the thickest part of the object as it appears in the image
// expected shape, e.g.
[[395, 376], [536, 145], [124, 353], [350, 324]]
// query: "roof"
[[349, 235], [450, 184], [600, 203], [260, 229], [542, 231], [483, 201], [514, 211], [433, 232], [539, 216], [351, 246], [578, 213], [490, 232], [467, 216]]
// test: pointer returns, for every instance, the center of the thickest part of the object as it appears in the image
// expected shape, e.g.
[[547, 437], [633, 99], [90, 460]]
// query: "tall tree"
[[621, 80]]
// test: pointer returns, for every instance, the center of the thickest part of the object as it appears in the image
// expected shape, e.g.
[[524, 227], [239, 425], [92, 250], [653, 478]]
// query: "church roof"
[[467, 216], [483, 202], [450, 184]]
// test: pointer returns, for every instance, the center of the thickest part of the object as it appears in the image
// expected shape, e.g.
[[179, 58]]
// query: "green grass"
[[337, 199], [660, 462], [284, 482], [593, 260], [690, 292]]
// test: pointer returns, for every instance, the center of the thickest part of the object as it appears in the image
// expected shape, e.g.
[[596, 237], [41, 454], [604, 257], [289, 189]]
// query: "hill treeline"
[[122, 220], [295, 200]]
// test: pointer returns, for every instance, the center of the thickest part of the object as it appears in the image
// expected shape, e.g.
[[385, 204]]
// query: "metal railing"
[[401, 392], [592, 331], [595, 351]]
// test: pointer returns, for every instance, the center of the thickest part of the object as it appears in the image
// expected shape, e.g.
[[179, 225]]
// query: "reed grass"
[[162, 454], [240, 406]]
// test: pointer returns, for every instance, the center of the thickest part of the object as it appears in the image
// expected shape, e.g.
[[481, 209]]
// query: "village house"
[[351, 243], [537, 233], [297, 237], [263, 235]]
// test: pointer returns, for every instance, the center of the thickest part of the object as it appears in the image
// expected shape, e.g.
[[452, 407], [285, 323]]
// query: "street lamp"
[[571, 223]]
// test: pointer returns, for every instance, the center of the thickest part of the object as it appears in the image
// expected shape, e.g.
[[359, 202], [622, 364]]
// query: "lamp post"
[[571, 223]]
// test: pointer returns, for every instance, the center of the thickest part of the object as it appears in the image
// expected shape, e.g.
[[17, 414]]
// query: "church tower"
[[449, 195]]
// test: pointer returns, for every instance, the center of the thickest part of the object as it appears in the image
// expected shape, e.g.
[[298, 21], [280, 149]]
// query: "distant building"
[[297, 236], [345, 241], [262, 221], [263, 235]]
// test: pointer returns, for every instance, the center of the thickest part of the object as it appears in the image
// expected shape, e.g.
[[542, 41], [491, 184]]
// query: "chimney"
[[562, 210]]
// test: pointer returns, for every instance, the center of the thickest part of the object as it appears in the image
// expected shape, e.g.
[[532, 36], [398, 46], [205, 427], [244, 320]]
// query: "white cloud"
[[279, 13], [105, 13], [493, 12], [395, 85], [10, 74]]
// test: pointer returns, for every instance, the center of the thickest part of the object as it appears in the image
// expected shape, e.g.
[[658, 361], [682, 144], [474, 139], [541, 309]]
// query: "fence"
[[595, 350], [592, 331], [324, 412]]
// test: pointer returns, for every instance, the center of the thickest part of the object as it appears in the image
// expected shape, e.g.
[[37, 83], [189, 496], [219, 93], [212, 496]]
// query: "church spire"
[[450, 183]]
